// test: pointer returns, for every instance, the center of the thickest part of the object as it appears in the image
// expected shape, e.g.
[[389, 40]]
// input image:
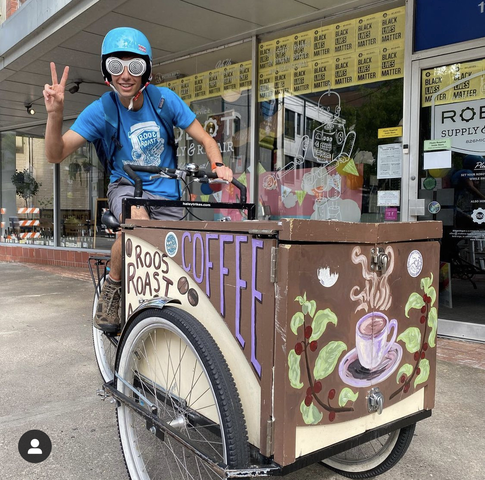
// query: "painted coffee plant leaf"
[[309, 307], [406, 370], [426, 283], [297, 321], [428, 289], [347, 395], [423, 372], [311, 415], [412, 339], [320, 322], [301, 300], [433, 324], [415, 301], [327, 359], [294, 370]]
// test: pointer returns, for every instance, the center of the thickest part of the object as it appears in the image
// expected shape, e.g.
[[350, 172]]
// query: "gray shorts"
[[122, 188]]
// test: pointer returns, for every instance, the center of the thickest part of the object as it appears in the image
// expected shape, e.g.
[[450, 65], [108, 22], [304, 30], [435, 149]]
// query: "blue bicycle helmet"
[[125, 40]]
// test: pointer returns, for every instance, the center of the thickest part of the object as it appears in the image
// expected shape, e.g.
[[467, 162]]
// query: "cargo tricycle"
[[256, 348]]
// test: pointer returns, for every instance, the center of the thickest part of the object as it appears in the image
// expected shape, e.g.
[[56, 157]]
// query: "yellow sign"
[[282, 82], [323, 39], [283, 54], [245, 71], [215, 82], [391, 132], [368, 30], [266, 55], [322, 71], [187, 89], [174, 85], [392, 26], [230, 78], [302, 80], [344, 42], [453, 83], [354, 52], [392, 62], [201, 85], [302, 48], [266, 86], [368, 67], [344, 70]]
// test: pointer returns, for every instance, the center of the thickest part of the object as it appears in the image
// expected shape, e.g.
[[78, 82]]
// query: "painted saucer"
[[353, 373]]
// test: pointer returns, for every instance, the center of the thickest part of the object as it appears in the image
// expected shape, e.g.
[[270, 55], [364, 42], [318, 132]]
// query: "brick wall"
[[46, 256]]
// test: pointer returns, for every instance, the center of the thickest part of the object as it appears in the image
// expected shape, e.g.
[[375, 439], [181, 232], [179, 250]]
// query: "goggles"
[[136, 66]]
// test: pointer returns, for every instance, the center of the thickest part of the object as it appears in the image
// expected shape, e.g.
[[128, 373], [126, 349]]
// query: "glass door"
[[450, 149]]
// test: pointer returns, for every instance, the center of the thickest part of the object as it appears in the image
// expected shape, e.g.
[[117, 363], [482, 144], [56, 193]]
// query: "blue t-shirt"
[[143, 138]]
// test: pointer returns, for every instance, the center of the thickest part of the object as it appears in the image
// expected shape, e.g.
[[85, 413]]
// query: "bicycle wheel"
[[374, 457], [104, 345], [173, 362]]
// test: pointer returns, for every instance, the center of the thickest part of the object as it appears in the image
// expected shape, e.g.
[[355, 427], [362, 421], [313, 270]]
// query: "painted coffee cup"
[[371, 338]]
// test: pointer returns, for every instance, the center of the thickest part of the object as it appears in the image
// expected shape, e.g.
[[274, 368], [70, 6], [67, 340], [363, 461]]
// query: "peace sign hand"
[[54, 94]]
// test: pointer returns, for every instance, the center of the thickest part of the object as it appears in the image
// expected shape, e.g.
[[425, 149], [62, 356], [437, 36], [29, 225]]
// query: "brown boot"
[[107, 313]]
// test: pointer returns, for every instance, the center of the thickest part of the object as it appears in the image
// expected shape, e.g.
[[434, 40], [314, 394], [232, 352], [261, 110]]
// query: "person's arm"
[[58, 146], [197, 132]]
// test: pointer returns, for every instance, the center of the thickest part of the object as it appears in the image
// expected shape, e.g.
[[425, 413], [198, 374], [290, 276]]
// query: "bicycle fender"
[[157, 302]]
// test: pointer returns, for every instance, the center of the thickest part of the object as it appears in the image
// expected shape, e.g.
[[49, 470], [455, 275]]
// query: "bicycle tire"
[[203, 404], [356, 463], [104, 346]]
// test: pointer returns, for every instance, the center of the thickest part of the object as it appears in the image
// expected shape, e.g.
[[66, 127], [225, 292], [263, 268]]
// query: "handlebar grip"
[[138, 181], [242, 188], [131, 169]]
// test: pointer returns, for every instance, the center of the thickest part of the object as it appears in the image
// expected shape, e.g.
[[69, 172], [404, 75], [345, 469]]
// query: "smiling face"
[[126, 84]]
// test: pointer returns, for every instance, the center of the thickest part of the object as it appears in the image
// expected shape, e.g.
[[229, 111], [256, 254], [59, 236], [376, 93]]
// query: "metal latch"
[[375, 401], [379, 260]]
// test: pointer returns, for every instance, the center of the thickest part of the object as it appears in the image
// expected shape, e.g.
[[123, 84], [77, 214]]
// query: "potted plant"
[[26, 186]]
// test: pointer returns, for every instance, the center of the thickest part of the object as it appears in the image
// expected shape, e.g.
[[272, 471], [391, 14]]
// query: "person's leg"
[[115, 263], [107, 317]]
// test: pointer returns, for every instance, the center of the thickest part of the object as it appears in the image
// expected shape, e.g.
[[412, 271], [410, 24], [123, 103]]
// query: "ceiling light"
[[30, 109], [75, 87]]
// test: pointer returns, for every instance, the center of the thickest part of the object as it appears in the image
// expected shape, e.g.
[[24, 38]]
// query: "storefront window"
[[219, 91], [27, 196], [82, 200], [452, 181], [27, 191], [330, 110]]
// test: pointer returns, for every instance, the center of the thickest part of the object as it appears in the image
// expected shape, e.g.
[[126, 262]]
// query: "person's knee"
[[139, 213]]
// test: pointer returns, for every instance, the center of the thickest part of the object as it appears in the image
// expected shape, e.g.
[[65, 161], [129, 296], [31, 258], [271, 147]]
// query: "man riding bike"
[[143, 138]]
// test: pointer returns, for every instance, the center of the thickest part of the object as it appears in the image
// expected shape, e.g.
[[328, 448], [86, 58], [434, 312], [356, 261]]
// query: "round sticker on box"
[[434, 207], [415, 263], [171, 244]]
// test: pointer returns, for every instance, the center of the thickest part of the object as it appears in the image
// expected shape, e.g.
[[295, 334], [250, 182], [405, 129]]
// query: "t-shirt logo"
[[147, 143]]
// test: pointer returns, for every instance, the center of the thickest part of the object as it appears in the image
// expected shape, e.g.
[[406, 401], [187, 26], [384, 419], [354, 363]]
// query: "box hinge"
[[274, 261]]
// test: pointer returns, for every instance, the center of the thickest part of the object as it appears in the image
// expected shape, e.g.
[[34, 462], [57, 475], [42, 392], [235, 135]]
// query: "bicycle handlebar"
[[175, 173]]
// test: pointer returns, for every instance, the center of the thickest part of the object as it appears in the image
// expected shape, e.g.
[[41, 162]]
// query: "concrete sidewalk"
[[49, 380]]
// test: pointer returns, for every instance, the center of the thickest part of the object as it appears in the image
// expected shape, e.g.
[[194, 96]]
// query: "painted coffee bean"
[[193, 297], [129, 247], [183, 285]]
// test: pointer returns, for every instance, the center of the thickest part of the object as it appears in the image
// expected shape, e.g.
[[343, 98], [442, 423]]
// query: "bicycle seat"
[[110, 221]]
